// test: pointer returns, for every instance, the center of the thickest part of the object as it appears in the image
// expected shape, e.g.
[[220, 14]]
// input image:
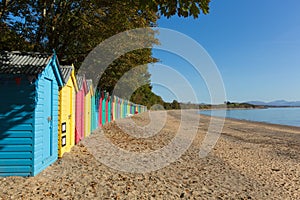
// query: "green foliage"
[[144, 95], [125, 64], [75, 28], [183, 8], [175, 105], [10, 40], [226, 105]]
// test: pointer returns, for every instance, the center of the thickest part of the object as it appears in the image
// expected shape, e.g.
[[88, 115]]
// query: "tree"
[[183, 8], [175, 105], [75, 28], [11, 39]]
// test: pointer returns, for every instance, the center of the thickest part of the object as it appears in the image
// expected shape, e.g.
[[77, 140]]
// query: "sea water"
[[284, 116]]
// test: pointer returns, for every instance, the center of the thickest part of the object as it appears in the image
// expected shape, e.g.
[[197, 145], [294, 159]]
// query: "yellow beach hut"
[[122, 109], [88, 108], [128, 108], [66, 110]]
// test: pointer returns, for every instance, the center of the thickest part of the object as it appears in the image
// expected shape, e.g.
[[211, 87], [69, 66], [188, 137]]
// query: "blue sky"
[[254, 44]]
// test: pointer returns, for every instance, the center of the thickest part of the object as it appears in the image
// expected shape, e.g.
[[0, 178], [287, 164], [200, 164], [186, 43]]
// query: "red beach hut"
[[107, 111]]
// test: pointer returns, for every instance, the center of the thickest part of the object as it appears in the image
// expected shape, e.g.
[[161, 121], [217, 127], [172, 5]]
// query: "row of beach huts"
[[45, 109]]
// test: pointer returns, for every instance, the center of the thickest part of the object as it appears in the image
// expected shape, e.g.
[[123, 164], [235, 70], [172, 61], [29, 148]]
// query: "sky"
[[254, 45]]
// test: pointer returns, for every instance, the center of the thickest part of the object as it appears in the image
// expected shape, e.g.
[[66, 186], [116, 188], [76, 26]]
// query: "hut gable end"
[[28, 132]]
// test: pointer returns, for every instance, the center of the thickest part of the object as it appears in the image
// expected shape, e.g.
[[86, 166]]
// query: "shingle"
[[23, 63]]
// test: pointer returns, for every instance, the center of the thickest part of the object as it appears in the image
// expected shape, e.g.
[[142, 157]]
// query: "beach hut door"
[[47, 135], [70, 112]]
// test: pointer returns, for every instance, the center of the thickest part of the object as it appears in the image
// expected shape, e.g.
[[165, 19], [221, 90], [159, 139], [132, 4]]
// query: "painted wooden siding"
[[66, 138], [108, 111], [100, 111], [112, 108], [93, 113], [16, 126], [128, 108], [79, 134], [135, 108], [119, 109], [73, 121], [97, 100], [115, 103], [123, 108], [28, 118], [45, 141], [87, 114], [103, 116]]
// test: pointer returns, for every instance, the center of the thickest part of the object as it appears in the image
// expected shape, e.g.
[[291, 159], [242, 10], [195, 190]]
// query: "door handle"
[[49, 118]]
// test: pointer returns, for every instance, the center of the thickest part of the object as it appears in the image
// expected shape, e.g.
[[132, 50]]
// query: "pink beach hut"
[[79, 124], [106, 108], [100, 109], [112, 108]]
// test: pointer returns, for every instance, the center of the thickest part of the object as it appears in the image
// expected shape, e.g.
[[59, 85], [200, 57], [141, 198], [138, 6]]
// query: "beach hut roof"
[[29, 63], [89, 83], [66, 72], [79, 81]]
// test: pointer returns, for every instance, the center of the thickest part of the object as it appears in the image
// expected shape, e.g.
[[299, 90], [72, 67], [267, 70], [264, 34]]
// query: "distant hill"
[[275, 103]]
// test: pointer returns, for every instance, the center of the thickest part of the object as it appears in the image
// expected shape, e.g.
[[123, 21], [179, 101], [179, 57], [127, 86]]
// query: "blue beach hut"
[[97, 100], [124, 108], [118, 108], [121, 108], [108, 119], [93, 105], [29, 84], [104, 109]]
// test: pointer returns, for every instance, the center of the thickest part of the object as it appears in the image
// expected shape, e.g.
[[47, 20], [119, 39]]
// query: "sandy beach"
[[249, 161]]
